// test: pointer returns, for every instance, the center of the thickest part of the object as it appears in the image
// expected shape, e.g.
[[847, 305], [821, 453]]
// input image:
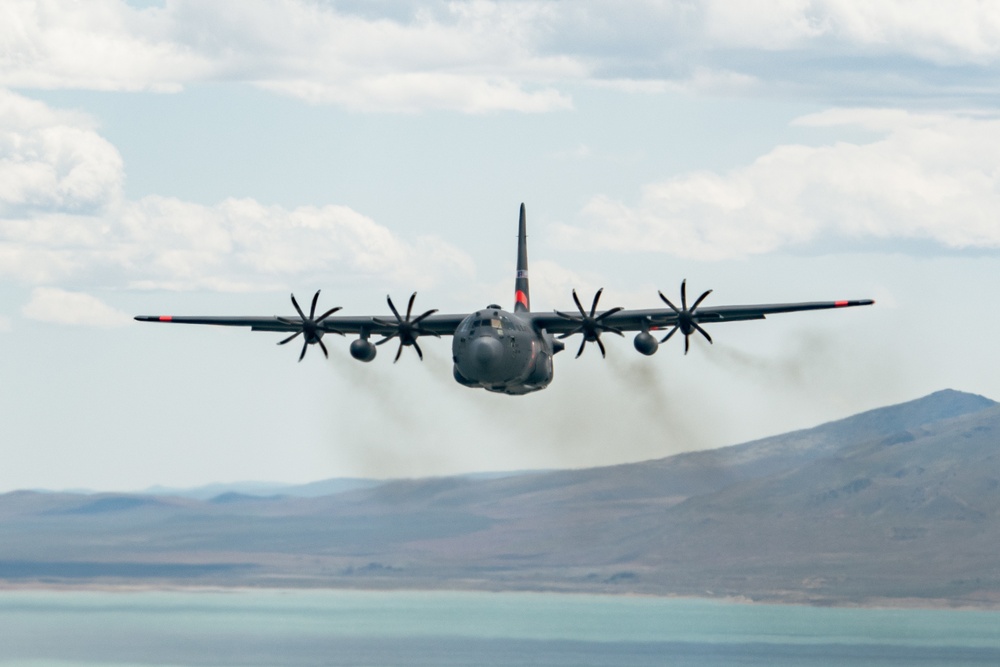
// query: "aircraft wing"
[[661, 318], [404, 328], [684, 319], [432, 325]]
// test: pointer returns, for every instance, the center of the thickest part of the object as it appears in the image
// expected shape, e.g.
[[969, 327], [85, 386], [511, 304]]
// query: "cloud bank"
[[931, 177], [63, 218], [484, 56]]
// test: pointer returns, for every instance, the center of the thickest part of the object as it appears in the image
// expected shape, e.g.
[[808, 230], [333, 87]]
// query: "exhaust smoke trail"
[[666, 408], [377, 430]]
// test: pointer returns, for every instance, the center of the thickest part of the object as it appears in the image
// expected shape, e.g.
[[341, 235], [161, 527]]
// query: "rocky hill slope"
[[891, 506]]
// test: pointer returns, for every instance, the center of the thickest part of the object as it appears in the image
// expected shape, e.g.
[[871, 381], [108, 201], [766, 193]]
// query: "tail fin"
[[522, 300]]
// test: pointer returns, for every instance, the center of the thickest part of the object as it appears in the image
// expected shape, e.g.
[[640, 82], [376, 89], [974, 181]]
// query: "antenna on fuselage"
[[522, 299]]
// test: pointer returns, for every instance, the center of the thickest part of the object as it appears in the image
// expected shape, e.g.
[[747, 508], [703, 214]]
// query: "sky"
[[193, 158]]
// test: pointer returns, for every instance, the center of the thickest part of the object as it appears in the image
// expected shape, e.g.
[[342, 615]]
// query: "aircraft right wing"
[[685, 319]]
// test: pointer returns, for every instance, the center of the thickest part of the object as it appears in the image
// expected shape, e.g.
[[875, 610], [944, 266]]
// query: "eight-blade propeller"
[[687, 319], [589, 325], [310, 326], [406, 329]]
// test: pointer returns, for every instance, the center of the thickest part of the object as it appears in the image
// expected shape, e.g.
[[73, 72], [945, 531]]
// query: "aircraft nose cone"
[[485, 352], [485, 355]]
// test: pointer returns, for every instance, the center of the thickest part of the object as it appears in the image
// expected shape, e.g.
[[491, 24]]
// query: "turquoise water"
[[485, 629]]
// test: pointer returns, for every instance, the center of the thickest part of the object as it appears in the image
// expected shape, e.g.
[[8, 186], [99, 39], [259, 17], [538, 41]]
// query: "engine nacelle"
[[362, 350], [646, 343]]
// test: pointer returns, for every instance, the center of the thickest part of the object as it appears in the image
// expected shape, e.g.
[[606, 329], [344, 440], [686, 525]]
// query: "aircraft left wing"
[[404, 327], [434, 325]]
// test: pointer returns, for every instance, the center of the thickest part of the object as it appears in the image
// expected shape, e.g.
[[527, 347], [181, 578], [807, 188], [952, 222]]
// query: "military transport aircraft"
[[506, 351]]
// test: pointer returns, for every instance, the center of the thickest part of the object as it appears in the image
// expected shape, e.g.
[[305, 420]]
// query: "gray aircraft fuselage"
[[500, 351]]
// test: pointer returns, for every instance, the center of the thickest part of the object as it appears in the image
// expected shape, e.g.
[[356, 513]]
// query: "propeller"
[[310, 327], [687, 319], [404, 328], [589, 325]]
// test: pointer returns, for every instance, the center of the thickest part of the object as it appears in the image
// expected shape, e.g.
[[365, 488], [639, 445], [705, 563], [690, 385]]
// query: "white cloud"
[[63, 216], [241, 244], [99, 45], [471, 57], [58, 306], [486, 56], [51, 159], [962, 31], [4, 324], [931, 177]]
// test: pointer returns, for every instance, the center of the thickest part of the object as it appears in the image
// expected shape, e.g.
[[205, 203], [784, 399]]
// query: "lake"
[[73, 629]]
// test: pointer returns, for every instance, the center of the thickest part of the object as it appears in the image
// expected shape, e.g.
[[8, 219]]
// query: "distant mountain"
[[890, 506], [326, 487], [265, 489]]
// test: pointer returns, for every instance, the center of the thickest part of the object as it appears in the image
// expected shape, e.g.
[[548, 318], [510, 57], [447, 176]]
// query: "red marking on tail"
[[166, 318], [838, 304], [520, 298]]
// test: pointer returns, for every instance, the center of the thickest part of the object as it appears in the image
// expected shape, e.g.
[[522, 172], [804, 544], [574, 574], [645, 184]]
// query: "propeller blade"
[[700, 299], [589, 323], [327, 314], [309, 327], [687, 319], [406, 328], [597, 297], [424, 316], [669, 303], [614, 330], [609, 313], [289, 338], [299, 310], [312, 309], [388, 337], [393, 308]]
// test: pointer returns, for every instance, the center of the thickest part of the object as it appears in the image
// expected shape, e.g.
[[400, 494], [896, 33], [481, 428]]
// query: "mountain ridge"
[[897, 503]]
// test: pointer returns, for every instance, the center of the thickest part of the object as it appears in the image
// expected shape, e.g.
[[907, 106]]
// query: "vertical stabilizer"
[[522, 300]]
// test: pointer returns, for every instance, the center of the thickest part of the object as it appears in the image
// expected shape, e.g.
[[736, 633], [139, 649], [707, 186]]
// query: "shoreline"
[[873, 604]]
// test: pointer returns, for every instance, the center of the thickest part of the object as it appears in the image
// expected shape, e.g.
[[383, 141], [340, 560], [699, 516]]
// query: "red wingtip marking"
[[166, 318], [520, 297], [838, 304]]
